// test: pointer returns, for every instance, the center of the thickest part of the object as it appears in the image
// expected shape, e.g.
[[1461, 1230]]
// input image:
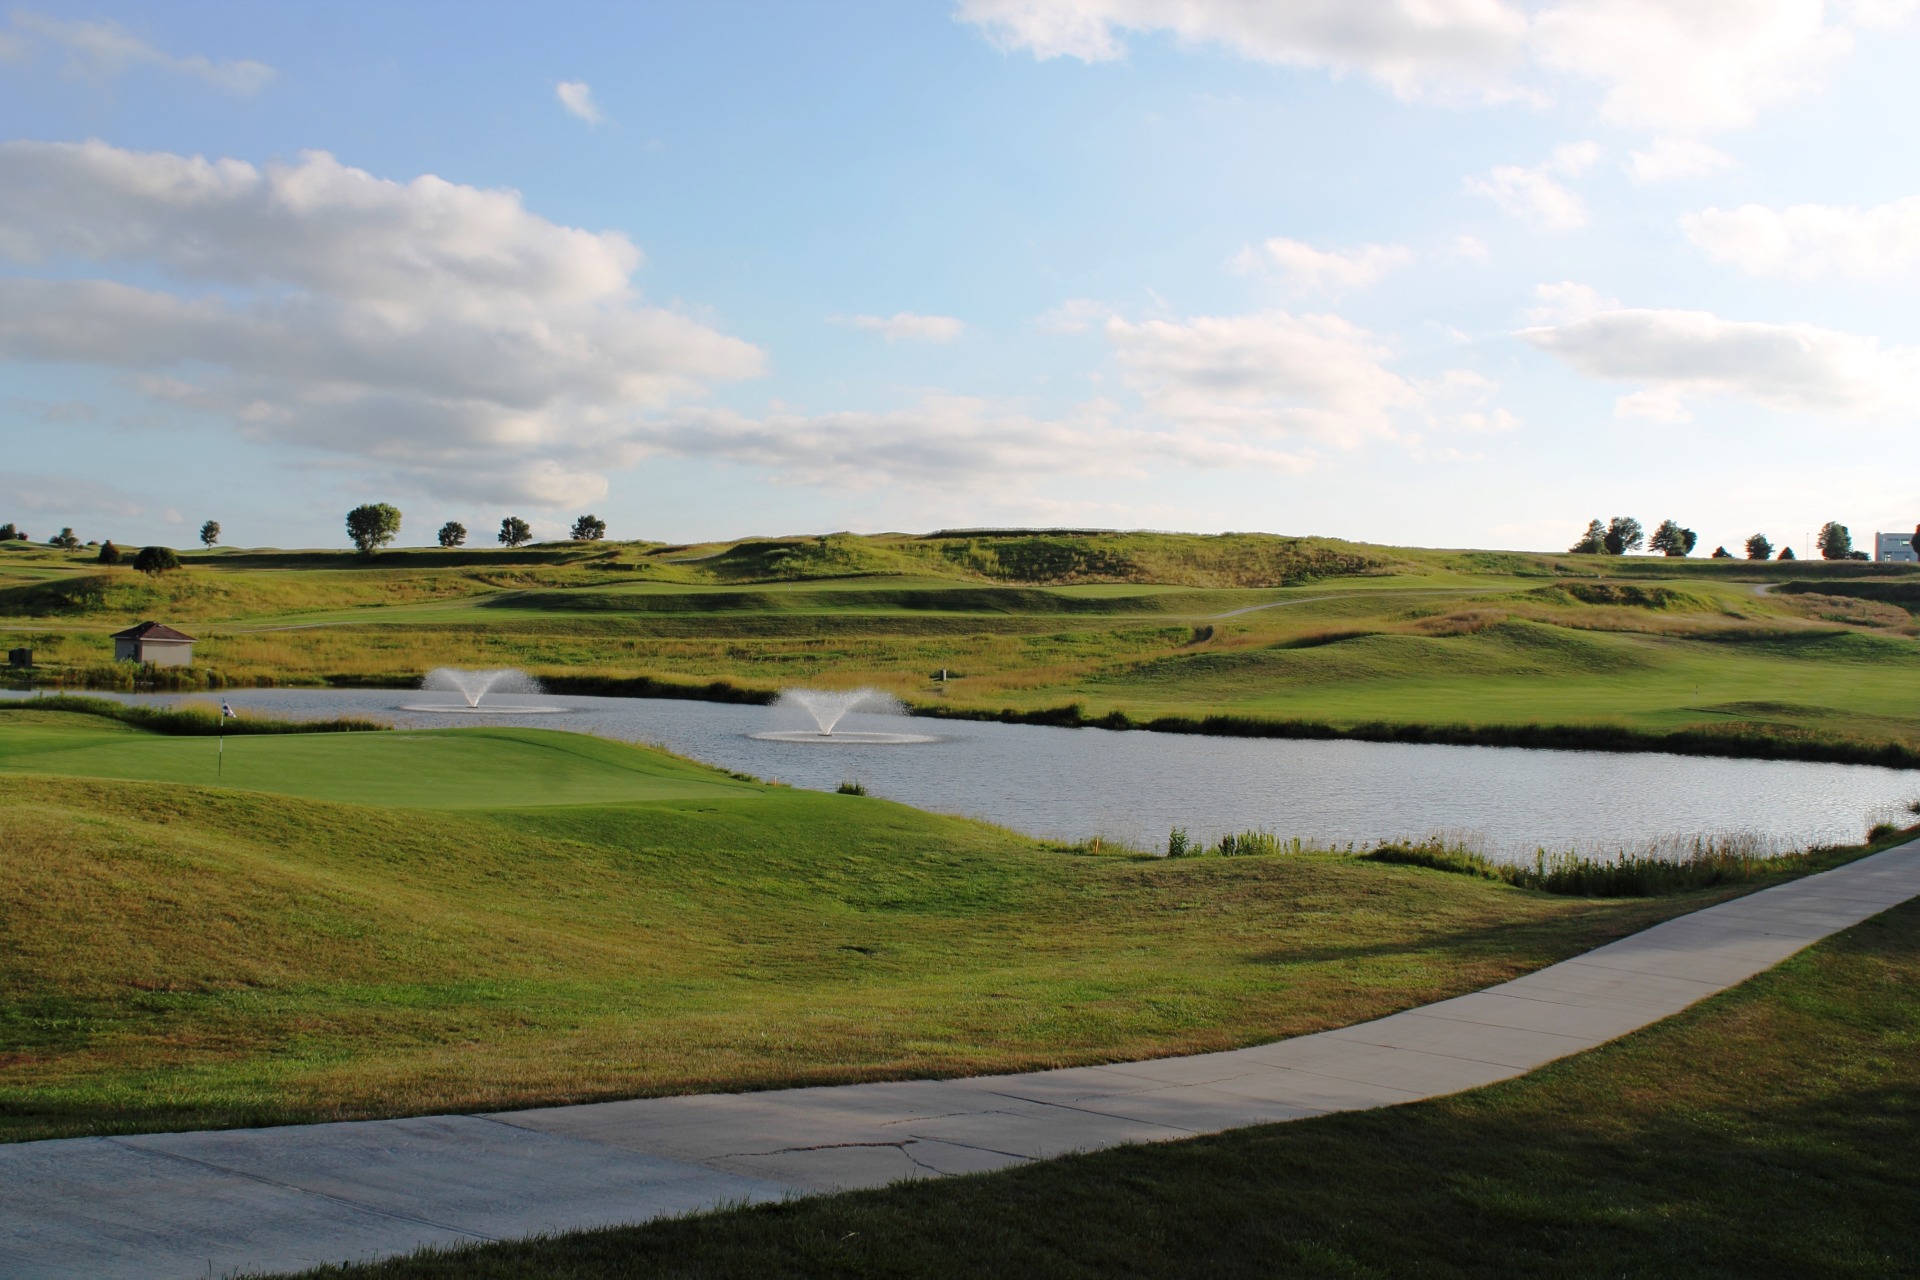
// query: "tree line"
[[373, 525], [1618, 536]]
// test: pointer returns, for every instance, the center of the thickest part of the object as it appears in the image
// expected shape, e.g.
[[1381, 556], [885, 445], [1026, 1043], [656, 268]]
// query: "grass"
[[1767, 1131], [1231, 634], [528, 917]]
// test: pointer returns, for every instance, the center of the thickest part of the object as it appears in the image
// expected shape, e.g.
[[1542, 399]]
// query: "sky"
[[1430, 272]]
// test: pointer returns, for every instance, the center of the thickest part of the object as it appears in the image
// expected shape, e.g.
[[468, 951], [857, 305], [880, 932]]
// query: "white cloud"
[[1471, 248], [64, 500], [1533, 195], [429, 331], [905, 326], [1790, 367], [949, 441], [1330, 271], [1654, 406], [1691, 66], [1668, 158], [1812, 241], [1273, 374], [101, 49], [1075, 315], [1675, 66], [1565, 302], [577, 99], [1417, 48]]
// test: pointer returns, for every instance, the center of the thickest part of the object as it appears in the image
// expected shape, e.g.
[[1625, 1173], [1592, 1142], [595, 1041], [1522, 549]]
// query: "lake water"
[[1073, 783]]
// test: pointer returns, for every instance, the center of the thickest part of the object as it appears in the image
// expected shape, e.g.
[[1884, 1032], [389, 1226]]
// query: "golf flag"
[[227, 712]]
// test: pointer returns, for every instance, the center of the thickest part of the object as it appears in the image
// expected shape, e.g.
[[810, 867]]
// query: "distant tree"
[[209, 533], [373, 525], [1758, 548], [65, 540], [8, 533], [1594, 541], [1721, 553], [514, 531], [109, 554], [453, 534], [1786, 553], [1914, 541], [589, 529], [1671, 540], [1624, 534], [156, 560], [1835, 542]]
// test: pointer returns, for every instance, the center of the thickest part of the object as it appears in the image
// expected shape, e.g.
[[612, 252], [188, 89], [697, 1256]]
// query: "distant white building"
[[1894, 546]]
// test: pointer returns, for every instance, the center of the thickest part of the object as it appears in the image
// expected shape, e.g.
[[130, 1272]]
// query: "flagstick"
[[220, 768]]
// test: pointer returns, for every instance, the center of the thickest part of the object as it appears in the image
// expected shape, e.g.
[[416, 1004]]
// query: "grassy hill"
[[365, 924], [1148, 625]]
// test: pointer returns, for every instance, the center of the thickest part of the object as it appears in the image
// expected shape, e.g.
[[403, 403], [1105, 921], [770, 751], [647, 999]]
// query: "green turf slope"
[[438, 768], [533, 917]]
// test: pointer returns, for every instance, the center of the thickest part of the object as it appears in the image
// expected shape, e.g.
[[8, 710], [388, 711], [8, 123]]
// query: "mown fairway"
[[530, 917], [1146, 624]]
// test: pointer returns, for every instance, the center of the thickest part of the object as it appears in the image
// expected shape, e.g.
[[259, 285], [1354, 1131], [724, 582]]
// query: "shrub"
[[1179, 844], [852, 789], [109, 554], [156, 560]]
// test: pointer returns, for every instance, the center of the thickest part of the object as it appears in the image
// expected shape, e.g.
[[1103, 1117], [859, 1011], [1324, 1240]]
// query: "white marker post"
[[226, 713]]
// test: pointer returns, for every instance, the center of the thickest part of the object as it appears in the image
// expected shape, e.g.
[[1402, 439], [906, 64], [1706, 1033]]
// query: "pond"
[[1070, 784]]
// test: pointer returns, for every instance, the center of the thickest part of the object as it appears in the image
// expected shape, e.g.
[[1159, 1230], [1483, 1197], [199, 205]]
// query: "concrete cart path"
[[194, 1204]]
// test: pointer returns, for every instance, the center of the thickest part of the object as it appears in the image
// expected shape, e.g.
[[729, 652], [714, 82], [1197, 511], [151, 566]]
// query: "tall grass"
[[1676, 865]]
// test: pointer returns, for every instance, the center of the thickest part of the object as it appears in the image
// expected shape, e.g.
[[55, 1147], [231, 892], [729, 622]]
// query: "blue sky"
[[1464, 273]]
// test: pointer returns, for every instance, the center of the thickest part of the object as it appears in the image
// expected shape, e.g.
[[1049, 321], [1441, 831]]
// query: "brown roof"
[[151, 631]]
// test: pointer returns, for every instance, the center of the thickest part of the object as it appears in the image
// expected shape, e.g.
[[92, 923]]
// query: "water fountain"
[[473, 686], [826, 708]]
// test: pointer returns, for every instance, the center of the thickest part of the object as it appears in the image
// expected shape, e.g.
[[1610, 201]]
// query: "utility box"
[[20, 657]]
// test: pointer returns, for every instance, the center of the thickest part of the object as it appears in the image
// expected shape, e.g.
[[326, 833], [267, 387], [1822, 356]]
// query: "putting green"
[[425, 769]]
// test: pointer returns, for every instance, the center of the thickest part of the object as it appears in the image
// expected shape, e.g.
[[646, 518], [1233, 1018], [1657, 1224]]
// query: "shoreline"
[[1736, 742]]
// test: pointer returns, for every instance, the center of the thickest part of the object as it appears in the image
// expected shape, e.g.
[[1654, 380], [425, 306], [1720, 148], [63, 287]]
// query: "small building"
[[1895, 546], [20, 657], [153, 643]]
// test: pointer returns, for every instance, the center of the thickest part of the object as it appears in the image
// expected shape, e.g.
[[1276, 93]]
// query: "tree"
[[1624, 534], [514, 531], [1914, 542], [589, 529], [1835, 542], [1671, 540], [1721, 553], [1758, 548], [1595, 540], [209, 533], [65, 540], [453, 534], [1786, 553], [156, 560], [8, 533], [373, 525], [109, 554]]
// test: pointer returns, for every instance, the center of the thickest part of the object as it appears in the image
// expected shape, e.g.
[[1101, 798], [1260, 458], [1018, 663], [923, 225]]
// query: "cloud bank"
[[436, 333], [1812, 241], [1672, 66]]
